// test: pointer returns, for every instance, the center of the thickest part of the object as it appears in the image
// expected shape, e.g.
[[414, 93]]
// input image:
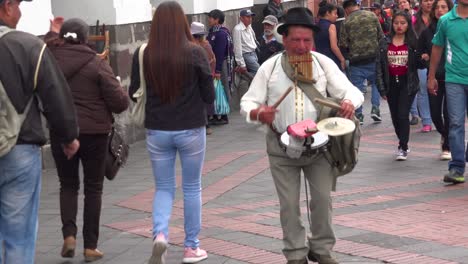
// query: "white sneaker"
[[402, 154], [194, 255], [158, 256], [445, 155]]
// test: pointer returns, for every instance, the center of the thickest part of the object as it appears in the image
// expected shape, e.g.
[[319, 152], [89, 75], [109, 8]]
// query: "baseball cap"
[[272, 20], [247, 12], [197, 28]]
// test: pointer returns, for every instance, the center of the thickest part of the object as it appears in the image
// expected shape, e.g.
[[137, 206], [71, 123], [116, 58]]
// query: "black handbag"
[[117, 154]]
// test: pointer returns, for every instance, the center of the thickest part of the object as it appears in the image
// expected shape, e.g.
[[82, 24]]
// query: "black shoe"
[[360, 116], [321, 259], [455, 177], [299, 261], [414, 120], [375, 114]]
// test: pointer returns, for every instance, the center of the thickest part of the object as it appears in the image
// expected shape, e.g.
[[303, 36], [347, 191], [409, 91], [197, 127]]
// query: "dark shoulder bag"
[[117, 154]]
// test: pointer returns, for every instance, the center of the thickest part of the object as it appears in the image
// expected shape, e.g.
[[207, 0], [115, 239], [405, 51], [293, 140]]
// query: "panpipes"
[[302, 66]]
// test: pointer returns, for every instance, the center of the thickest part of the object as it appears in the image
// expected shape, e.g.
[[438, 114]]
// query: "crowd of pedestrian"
[[416, 60]]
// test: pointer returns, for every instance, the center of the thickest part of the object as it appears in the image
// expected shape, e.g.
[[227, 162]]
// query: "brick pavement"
[[384, 212]]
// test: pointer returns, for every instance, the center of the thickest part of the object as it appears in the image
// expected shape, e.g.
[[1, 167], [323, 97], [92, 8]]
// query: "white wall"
[[257, 2], [110, 12], [131, 11], [237, 4], [204, 6], [35, 18]]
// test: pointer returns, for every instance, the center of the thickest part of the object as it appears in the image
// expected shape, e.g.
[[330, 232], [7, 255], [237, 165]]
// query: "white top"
[[244, 41], [271, 82]]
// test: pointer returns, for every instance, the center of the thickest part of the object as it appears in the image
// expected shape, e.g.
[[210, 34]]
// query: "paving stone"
[[241, 215]]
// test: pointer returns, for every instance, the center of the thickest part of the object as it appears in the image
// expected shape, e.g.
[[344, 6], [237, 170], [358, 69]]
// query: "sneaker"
[[91, 255], [426, 128], [445, 155], [68, 248], [375, 114], [414, 120], [402, 154], [360, 116], [158, 256], [194, 255], [454, 177], [321, 259]]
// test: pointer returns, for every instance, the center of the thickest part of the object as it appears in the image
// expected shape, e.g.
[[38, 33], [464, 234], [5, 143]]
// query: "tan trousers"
[[286, 174]]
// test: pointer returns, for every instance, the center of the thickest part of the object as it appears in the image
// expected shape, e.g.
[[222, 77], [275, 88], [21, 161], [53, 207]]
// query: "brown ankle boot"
[[92, 254], [68, 248]]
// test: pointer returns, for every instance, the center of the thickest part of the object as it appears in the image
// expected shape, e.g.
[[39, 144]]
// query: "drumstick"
[[328, 103], [275, 105]]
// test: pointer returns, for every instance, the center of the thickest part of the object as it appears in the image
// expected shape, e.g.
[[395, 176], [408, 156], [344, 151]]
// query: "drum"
[[295, 147]]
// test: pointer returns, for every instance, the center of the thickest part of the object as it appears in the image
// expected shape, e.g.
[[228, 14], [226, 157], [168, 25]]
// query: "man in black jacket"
[[28, 72], [269, 45]]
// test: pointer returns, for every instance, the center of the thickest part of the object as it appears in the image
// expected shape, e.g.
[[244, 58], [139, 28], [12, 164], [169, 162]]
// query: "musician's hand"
[[432, 86], [217, 76], [347, 109], [384, 97], [264, 114]]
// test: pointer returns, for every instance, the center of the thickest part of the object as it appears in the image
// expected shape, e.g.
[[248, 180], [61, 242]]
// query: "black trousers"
[[92, 154], [439, 114], [399, 102]]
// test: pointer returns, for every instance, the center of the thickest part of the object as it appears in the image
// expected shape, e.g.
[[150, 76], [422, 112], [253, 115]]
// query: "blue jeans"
[[251, 62], [357, 75], [457, 94], [423, 98], [163, 147], [20, 187], [414, 108]]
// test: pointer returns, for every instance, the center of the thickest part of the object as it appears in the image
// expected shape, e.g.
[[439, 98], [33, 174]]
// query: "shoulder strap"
[[4, 30], [38, 65], [140, 61]]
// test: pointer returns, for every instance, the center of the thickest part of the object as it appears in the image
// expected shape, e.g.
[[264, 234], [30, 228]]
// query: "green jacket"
[[359, 37]]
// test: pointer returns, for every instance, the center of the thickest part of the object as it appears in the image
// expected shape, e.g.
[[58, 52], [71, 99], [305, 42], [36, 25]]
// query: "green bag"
[[221, 102]]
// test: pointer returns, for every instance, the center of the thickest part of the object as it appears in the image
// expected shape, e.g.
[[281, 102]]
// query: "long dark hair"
[[324, 8], [434, 7], [168, 57], [419, 25], [410, 37]]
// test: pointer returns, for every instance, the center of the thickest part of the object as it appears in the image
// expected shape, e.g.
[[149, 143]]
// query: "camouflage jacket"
[[359, 37]]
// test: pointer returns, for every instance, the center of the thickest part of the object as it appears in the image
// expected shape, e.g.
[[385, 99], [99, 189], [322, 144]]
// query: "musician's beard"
[[268, 32]]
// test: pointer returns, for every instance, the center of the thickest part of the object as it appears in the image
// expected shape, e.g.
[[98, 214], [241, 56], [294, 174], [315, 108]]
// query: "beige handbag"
[[137, 113]]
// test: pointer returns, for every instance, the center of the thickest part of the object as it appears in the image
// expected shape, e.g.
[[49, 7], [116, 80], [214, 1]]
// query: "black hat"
[[75, 29], [298, 16]]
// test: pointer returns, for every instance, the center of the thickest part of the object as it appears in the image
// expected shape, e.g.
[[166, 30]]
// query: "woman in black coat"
[[397, 76]]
